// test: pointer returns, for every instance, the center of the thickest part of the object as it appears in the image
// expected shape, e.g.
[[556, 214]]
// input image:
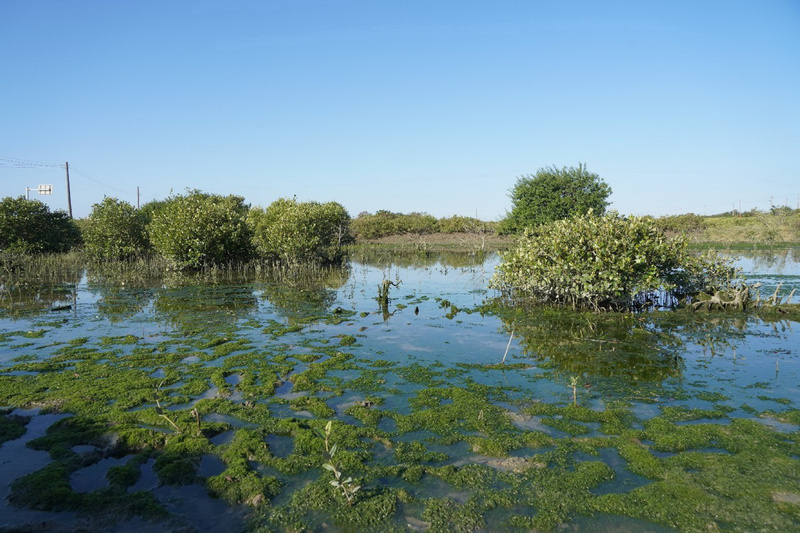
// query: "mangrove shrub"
[[28, 226], [608, 262], [114, 230], [199, 230], [295, 232], [384, 223], [554, 194]]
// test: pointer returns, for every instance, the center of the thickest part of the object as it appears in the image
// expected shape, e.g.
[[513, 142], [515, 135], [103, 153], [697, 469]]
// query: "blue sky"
[[407, 105]]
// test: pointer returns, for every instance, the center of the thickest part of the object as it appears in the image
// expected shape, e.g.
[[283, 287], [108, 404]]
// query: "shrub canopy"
[[294, 232], [198, 230], [608, 262], [114, 230], [28, 226], [384, 223], [554, 194]]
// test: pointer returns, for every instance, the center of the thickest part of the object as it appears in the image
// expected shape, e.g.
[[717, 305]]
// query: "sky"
[[406, 105]]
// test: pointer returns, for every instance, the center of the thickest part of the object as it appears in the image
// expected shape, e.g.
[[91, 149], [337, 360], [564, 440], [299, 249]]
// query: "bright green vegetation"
[[197, 229], [385, 223], [29, 227], [524, 478], [608, 262], [434, 438], [293, 232], [554, 194], [780, 225], [114, 230]]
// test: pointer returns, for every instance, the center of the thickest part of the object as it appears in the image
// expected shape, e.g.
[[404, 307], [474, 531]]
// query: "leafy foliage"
[[554, 194], [197, 230], [290, 232], [28, 226], [114, 230], [460, 224], [686, 223], [608, 262], [383, 223]]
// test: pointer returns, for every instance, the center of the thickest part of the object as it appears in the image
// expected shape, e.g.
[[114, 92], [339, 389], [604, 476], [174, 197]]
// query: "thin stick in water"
[[507, 347]]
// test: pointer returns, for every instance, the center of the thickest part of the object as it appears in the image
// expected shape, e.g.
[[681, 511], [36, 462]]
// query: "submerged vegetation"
[[289, 398]]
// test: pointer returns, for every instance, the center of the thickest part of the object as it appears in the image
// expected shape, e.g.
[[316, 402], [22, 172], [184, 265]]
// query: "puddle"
[[93, 477], [17, 460], [148, 479], [210, 465], [196, 508], [280, 446], [624, 480]]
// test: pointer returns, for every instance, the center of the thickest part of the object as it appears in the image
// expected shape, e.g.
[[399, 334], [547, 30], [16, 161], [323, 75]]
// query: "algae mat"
[[201, 403]]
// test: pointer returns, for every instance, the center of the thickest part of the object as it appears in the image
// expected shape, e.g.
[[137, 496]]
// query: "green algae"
[[11, 426], [455, 454]]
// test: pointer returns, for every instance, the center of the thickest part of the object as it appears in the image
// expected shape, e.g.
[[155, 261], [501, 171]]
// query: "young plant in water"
[[160, 410], [573, 382], [347, 486]]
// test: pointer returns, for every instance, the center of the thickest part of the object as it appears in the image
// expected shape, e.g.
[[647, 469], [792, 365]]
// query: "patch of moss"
[[11, 426], [446, 515], [176, 469], [314, 405]]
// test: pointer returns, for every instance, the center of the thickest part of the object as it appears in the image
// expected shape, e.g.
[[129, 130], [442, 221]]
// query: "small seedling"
[[573, 382], [160, 410], [347, 486]]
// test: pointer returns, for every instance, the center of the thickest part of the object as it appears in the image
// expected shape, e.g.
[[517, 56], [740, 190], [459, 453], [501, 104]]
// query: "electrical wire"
[[21, 163], [88, 177]]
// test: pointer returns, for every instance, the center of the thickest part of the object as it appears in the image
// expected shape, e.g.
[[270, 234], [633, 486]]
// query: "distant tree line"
[[191, 231], [197, 229], [386, 223]]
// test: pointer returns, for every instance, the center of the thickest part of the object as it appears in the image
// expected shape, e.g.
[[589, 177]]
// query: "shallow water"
[[433, 334]]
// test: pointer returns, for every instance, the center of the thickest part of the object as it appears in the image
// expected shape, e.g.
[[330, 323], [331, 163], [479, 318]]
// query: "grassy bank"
[[764, 229]]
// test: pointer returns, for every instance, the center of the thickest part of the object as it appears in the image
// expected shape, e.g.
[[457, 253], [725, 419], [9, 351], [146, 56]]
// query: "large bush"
[[294, 232], [198, 230], [554, 194], [28, 226], [114, 230], [608, 262]]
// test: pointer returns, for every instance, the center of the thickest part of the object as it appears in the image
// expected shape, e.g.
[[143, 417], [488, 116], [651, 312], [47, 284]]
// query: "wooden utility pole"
[[69, 195]]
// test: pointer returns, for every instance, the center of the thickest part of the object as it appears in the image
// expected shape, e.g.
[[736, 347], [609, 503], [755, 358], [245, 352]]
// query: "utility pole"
[[137, 197], [69, 195]]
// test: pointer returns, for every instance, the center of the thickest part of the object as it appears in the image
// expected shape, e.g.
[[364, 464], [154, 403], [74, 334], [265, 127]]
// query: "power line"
[[21, 163], [88, 177]]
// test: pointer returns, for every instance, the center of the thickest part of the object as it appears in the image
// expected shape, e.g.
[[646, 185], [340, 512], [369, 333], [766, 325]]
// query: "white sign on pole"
[[45, 189]]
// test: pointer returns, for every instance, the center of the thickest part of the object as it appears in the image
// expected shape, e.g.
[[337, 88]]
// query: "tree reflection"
[[418, 258], [35, 293], [122, 295], [636, 347], [301, 294], [198, 303]]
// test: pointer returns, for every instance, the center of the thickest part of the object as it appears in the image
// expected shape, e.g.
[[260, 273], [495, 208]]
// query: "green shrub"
[[295, 232], [608, 262], [682, 223], [459, 224], [28, 226], [554, 194], [114, 230], [200, 230], [384, 223]]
